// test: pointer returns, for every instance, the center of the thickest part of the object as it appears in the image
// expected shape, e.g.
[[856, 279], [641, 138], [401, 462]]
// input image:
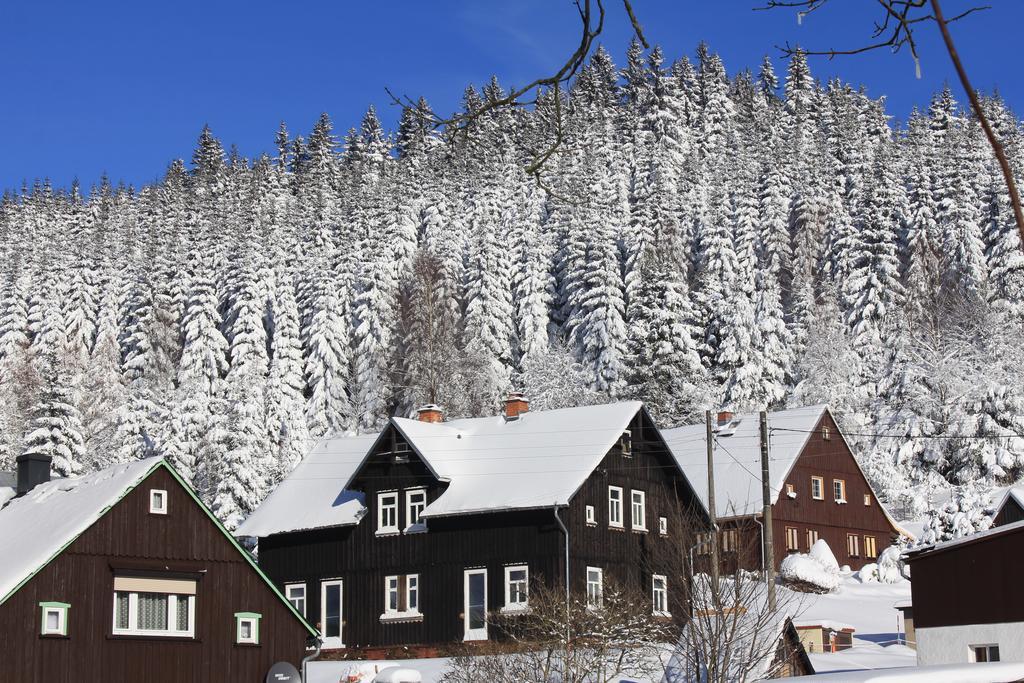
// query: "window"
[[401, 595], [729, 538], [54, 620], [867, 499], [817, 488], [387, 513], [812, 538], [659, 595], [591, 515], [790, 491], [853, 545], [626, 443], [703, 544], [985, 653], [638, 511], [595, 587], [870, 548], [826, 434], [839, 489], [792, 539], [415, 501], [516, 587], [247, 628], [154, 606], [615, 506], [295, 593], [663, 526], [157, 502]]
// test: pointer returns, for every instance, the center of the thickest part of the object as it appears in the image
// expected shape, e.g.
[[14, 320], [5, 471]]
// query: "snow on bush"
[[968, 512], [815, 572], [886, 570]]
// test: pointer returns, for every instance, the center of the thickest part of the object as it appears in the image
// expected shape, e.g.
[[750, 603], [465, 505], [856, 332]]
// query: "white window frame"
[[663, 526], [867, 500], [409, 584], [292, 599], [61, 610], [392, 586], [641, 524], [382, 504], [821, 488], [664, 596], [826, 434], [792, 539], [841, 497], [338, 640], [595, 597], [591, 515], [615, 505], [172, 614], [155, 509], [520, 605], [416, 525], [253, 620], [473, 633]]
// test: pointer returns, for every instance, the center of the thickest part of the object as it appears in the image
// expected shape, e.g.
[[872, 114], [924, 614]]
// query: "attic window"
[[867, 499], [157, 502], [790, 491], [826, 435], [54, 618], [247, 628], [401, 452], [591, 515], [626, 444]]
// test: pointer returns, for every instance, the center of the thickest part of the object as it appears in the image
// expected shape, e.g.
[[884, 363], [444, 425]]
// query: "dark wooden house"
[[124, 575], [1010, 507], [817, 488], [415, 535], [968, 599]]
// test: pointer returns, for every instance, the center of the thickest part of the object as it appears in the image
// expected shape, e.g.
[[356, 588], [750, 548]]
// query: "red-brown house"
[[124, 575], [817, 488]]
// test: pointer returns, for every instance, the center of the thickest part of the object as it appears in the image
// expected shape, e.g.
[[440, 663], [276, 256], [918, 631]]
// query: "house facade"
[[817, 488], [415, 535], [968, 599], [125, 575], [1009, 507]]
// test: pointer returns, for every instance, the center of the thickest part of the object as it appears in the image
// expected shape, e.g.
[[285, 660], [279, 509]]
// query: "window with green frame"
[[247, 628], [54, 618]]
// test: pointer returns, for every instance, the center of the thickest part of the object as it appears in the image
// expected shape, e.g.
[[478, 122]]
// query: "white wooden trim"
[[477, 633]]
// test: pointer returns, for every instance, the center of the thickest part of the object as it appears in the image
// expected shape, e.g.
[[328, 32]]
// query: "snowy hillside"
[[699, 240]]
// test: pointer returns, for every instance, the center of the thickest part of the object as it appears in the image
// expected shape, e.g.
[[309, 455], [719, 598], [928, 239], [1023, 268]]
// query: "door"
[[475, 604], [330, 613]]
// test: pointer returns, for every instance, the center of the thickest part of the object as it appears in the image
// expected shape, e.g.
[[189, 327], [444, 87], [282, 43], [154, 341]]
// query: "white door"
[[330, 613], [475, 604]]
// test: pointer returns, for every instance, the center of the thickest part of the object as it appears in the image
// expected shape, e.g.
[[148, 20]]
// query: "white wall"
[[951, 644]]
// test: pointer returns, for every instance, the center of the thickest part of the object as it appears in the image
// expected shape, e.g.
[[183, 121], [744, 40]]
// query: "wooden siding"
[[362, 560], [830, 459], [83, 576], [977, 582], [1010, 512]]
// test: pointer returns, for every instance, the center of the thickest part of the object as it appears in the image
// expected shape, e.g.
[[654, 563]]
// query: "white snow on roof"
[[313, 495], [991, 531], [538, 460], [824, 623], [987, 672], [37, 526], [737, 456], [8, 483], [1016, 492]]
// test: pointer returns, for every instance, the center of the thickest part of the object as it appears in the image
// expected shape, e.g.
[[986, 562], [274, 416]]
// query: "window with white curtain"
[[154, 606]]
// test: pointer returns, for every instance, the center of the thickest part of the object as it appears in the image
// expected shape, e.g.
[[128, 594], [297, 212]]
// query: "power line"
[[1012, 435]]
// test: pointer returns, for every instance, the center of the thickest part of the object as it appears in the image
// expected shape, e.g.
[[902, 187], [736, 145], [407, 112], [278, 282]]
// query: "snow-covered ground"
[[868, 607]]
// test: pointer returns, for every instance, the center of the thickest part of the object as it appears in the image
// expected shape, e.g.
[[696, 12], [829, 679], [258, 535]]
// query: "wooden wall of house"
[[83, 576], [976, 582], [362, 560], [830, 458], [1008, 514]]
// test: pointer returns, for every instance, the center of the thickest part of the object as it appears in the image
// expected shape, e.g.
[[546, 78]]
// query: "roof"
[[1011, 493], [538, 460], [737, 456], [956, 543], [972, 672], [830, 624], [43, 522], [490, 464], [8, 486], [313, 496]]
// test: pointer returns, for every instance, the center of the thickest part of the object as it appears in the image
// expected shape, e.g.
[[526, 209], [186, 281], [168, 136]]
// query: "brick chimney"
[[515, 405], [33, 470], [725, 417], [430, 413]]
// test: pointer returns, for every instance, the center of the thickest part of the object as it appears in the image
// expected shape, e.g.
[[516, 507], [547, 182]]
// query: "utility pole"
[[768, 550], [711, 500]]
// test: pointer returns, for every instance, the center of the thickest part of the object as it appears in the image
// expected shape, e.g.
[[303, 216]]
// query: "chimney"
[[725, 417], [430, 413], [33, 470], [515, 405]]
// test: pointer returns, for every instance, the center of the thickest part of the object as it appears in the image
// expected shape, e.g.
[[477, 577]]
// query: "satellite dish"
[[283, 672]]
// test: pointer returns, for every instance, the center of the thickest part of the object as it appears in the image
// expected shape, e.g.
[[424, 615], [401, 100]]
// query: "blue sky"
[[124, 87]]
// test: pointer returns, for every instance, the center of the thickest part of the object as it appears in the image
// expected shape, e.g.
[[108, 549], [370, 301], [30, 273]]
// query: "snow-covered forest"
[[698, 240]]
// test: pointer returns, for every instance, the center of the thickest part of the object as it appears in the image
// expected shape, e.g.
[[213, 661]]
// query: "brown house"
[[124, 575], [1010, 507], [817, 488]]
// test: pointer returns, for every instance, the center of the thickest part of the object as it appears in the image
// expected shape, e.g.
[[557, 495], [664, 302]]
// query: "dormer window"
[[401, 452], [415, 502], [626, 444], [157, 502], [387, 512]]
